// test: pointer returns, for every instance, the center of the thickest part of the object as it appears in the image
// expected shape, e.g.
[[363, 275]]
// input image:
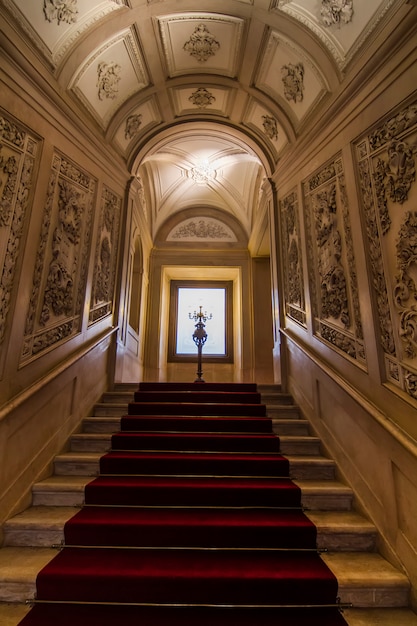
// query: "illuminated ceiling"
[[200, 104]]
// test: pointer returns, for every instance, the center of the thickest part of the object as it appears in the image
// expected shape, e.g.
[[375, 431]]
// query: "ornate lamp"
[[199, 337]]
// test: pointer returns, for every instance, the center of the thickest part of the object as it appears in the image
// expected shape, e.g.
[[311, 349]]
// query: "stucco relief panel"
[[386, 163], [60, 273], [105, 256], [292, 259], [18, 156], [332, 271]]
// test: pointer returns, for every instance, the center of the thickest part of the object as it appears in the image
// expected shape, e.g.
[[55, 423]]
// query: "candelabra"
[[200, 337]]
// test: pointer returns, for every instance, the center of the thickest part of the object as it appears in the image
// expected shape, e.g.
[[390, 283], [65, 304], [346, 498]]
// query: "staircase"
[[377, 591]]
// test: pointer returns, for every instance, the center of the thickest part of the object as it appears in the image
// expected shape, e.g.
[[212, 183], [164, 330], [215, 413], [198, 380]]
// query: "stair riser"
[[298, 471], [58, 498], [15, 591], [326, 540], [290, 428], [97, 425], [283, 412], [374, 596], [111, 410]]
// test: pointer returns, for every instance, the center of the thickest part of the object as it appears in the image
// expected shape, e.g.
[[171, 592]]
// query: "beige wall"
[[357, 389]]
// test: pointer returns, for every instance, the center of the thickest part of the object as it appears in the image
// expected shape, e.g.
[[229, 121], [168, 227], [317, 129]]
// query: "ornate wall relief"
[[386, 162], [292, 259], [106, 256], [332, 273], [60, 10], [60, 273], [336, 12], [18, 156]]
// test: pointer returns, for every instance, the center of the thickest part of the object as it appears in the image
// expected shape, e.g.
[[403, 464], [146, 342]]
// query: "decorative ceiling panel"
[[267, 125], [110, 76], [137, 122], [55, 26], [196, 43], [207, 100], [290, 77], [341, 25]]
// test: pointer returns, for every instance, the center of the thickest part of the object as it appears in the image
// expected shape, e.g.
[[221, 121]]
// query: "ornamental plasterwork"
[[202, 98], [60, 273], [332, 273], [202, 229], [60, 10], [292, 259], [293, 79], [386, 167], [133, 124], [106, 256], [202, 44], [336, 12], [108, 78], [18, 156], [270, 126]]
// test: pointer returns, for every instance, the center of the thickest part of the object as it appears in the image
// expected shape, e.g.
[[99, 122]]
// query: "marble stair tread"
[[44, 525], [368, 580], [18, 570], [11, 614], [380, 617]]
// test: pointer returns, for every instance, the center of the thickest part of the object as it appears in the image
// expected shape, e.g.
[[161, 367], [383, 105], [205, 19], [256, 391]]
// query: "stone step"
[[96, 424], [60, 491], [107, 409], [43, 526], [301, 467], [117, 397], [101, 424], [290, 427], [282, 411], [69, 491], [101, 442], [365, 580], [12, 614], [276, 398]]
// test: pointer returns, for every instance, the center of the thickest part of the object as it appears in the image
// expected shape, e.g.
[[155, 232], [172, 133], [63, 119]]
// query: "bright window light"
[[212, 301]]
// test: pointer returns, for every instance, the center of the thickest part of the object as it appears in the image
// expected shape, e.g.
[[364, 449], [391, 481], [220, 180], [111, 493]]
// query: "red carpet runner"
[[193, 521]]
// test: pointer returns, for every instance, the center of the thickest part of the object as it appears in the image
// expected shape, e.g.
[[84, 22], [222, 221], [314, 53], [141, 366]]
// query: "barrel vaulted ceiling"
[[203, 103]]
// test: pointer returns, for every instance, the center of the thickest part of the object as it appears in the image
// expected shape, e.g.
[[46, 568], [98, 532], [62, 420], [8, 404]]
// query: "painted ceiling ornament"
[[108, 77], [60, 10], [270, 127], [202, 98], [336, 12], [133, 124], [201, 45], [293, 79]]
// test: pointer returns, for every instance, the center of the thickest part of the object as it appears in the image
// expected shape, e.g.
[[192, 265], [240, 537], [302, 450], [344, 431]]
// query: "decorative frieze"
[[202, 229], [108, 78], [60, 10], [202, 44], [293, 80], [386, 171], [292, 259], [106, 256], [18, 156], [331, 262], [202, 98], [336, 12], [60, 272], [270, 126]]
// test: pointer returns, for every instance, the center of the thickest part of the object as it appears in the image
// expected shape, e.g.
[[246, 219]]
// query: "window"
[[215, 299]]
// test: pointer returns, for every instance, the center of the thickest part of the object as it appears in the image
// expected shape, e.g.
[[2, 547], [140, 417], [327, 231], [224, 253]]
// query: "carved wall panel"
[[60, 273], [106, 256], [18, 155], [386, 162], [332, 272], [292, 259]]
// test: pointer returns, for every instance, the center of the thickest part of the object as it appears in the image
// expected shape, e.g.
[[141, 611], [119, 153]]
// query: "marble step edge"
[[69, 491], [301, 467], [100, 442], [43, 526], [12, 614], [97, 423], [364, 579]]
